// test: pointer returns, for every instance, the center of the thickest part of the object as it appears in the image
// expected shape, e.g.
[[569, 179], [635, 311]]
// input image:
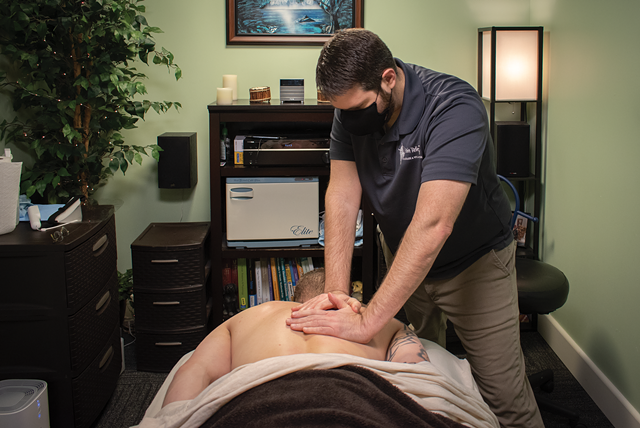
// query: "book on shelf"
[[251, 283], [243, 289], [299, 267], [265, 271], [274, 279], [282, 280], [294, 271], [258, 279], [288, 277]]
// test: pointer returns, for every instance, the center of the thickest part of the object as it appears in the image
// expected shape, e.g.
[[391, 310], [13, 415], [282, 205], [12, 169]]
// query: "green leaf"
[[24, 186], [30, 191], [123, 166], [55, 181], [156, 154], [114, 164], [40, 187], [138, 158], [33, 60], [129, 155], [22, 19]]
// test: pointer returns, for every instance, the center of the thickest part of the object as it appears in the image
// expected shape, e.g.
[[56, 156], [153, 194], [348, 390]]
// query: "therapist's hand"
[[323, 302], [342, 322]]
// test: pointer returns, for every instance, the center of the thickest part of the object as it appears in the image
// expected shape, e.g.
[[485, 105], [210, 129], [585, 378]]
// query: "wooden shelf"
[[280, 171], [244, 118]]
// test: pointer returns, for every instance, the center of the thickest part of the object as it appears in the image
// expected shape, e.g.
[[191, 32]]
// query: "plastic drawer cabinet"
[[172, 299], [59, 314]]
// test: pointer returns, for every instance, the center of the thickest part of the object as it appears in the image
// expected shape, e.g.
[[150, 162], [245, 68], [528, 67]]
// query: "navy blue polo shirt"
[[442, 133]]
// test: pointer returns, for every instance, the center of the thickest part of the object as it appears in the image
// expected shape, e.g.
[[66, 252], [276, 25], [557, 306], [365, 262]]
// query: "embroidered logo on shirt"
[[409, 153]]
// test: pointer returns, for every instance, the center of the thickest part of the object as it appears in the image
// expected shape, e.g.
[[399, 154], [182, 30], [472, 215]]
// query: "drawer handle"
[[106, 358], [103, 303], [100, 245], [166, 303], [168, 343], [241, 193], [165, 261]]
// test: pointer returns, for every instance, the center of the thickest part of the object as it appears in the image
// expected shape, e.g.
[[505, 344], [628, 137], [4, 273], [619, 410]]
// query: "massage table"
[[444, 387]]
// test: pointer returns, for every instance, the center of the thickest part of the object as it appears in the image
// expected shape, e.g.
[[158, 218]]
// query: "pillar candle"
[[225, 96], [231, 81]]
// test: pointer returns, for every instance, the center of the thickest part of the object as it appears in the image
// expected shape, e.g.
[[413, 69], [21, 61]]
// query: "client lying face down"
[[261, 332]]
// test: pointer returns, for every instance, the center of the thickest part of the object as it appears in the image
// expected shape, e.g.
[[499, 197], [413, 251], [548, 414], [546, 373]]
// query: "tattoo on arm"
[[406, 348]]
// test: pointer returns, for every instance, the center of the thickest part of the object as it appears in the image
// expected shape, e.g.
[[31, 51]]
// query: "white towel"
[[423, 382]]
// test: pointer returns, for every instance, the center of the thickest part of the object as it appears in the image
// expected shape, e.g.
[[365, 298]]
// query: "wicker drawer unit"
[[59, 314], [171, 276]]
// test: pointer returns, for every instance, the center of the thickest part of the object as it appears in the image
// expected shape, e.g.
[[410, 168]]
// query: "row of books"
[[266, 279]]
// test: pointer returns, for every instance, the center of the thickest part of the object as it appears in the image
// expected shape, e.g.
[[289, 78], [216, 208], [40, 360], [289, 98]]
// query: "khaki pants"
[[482, 304]]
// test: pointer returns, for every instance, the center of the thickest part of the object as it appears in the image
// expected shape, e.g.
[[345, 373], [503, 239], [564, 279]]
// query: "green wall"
[[590, 135], [593, 151]]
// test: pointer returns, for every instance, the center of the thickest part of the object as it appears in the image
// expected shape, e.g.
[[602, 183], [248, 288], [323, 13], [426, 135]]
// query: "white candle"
[[225, 96], [231, 81]]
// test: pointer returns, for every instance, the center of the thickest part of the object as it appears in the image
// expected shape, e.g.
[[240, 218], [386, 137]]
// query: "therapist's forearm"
[[339, 227], [418, 250]]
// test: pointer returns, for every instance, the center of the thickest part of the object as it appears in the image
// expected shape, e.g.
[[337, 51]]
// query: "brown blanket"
[[347, 396]]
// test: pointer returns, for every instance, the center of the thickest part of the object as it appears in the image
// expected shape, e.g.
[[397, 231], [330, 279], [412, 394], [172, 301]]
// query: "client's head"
[[310, 285]]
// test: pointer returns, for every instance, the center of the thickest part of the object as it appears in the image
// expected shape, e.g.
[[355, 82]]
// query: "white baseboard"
[[608, 398]]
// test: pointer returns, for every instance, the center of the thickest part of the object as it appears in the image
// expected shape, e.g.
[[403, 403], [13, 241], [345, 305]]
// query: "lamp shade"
[[510, 58]]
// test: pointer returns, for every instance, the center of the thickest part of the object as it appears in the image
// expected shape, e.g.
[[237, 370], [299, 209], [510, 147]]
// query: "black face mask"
[[365, 121]]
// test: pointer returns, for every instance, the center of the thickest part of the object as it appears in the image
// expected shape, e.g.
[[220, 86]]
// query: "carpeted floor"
[[135, 390]]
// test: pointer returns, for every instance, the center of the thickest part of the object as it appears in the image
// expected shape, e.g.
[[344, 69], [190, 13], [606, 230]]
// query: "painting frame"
[[236, 38]]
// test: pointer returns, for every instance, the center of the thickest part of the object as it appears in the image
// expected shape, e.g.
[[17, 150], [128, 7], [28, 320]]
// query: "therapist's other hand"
[[342, 322], [323, 302]]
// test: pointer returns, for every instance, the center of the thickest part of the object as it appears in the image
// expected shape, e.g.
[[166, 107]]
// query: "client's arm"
[[405, 347], [211, 360]]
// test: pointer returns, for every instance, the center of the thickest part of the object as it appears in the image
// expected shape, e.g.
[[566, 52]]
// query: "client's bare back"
[[261, 332]]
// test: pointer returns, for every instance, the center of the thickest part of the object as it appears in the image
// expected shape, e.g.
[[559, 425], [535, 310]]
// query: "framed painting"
[[290, 22]]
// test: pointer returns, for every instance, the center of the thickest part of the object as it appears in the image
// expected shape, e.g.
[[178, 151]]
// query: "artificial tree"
[[75, 89]]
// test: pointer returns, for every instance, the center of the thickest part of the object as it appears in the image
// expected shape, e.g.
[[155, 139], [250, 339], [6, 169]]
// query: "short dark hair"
[[310, 285], [352, 57]]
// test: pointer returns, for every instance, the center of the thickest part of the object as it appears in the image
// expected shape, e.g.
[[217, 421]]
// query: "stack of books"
[[265, 279]]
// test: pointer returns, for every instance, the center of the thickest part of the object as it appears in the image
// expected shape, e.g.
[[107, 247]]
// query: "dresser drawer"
[[91, 326], [177, 309], [160, 352], [90, 265], [93, 388], [168, 269]]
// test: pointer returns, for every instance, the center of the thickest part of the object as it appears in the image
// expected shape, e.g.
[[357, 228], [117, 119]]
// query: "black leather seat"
[[542, 288]]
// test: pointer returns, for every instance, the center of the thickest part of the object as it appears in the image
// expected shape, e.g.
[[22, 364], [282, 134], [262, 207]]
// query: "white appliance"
[[24, 403], [272, 211]]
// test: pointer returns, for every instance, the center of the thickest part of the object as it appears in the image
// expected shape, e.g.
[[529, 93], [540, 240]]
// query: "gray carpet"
[[135, 390]]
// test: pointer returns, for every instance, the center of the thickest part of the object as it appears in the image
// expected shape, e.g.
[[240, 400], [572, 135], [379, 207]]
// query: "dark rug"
[[135, 390]]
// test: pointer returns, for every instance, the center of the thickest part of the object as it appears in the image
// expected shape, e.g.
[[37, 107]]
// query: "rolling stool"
[[542, 289]]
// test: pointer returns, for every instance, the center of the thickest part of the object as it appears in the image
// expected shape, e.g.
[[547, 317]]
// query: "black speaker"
[[512, 142], [178, 164]]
